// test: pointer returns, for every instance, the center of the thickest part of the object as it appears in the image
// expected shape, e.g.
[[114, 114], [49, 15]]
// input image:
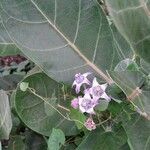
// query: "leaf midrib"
[[99, 71]]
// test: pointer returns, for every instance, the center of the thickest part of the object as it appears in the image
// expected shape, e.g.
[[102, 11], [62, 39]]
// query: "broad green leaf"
[[5, 116], [56, 139], [31, 108], [63, 37], [129, 81], [131, 17], [138, 132], [101, 140], [77, 115]]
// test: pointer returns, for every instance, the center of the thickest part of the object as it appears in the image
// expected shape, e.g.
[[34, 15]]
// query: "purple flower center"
[[79, 78], [87, 104], [97, 91]]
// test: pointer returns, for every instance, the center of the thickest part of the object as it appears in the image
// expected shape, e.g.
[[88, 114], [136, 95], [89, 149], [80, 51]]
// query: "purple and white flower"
[[87, 104], [98, 91], [89, 124], [80, 79], [75, 103]]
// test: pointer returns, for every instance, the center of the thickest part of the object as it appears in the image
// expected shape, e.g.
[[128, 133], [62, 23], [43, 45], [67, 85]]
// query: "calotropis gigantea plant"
[[76, 40]]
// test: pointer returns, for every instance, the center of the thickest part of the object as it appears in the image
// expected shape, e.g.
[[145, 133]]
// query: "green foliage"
[[56, 139], [108, 38]]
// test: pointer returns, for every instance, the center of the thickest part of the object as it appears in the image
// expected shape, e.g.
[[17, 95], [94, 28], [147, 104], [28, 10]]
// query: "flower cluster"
[[93, 92]]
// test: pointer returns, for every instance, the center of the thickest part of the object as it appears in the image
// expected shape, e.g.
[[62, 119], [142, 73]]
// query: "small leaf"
[[56, 139], [77, 115], [126, 64], [24, 86], [102, 105]]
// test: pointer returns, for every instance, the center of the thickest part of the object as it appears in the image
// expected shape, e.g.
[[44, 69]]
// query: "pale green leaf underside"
[[132, 18], [63, 37], [5, 116]]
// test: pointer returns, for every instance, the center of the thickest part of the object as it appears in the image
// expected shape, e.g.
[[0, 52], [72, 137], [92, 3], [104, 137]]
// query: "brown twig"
[[135, 93]]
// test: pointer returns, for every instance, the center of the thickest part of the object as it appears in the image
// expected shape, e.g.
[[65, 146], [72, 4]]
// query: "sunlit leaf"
[[5, 116]]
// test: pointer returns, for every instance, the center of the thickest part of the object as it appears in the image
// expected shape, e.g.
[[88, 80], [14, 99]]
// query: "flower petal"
[[77, 89], [95, 83], [90, 111], [86, 81], [87, 96], [82, 109], [74, 83], [105, 96], [86, 74], [104, 86]]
